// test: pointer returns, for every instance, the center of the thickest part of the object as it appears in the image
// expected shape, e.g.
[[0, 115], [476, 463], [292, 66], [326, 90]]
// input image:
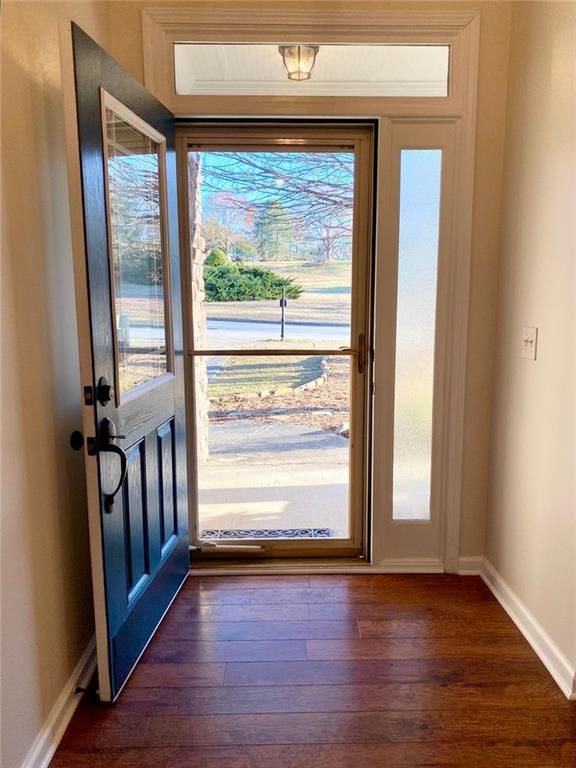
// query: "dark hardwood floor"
[[331, 672]]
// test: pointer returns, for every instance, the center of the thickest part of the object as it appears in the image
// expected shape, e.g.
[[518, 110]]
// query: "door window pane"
[[136, 243], [420, 185]]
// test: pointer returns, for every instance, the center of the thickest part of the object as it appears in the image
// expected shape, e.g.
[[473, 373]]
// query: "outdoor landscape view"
[[276, 229], [272, 245]]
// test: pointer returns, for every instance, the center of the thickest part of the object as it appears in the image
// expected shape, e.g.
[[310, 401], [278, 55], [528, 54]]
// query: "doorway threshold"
[[301, 565]]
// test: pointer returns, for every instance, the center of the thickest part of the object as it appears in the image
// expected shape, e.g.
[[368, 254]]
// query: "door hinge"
[[88, 396]]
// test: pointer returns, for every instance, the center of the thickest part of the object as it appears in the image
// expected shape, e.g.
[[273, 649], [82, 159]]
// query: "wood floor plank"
[[355, 671], [273, 596], [209, 583], [529, 754], [256, 630], [323, 595], [123, 730], [187, 611], [341, 698], [510, 647], [159, 757], [149, 674], [478, 614], [438, 625], [404, 755], [180, 651], [399, 581]]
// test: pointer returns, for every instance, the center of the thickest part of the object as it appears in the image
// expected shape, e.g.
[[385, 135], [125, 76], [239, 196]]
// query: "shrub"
[[241, 282], [242, 250], [216, 258]]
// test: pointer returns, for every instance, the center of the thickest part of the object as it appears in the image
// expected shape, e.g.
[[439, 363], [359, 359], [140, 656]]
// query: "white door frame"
[[421, 542], [328, 22]]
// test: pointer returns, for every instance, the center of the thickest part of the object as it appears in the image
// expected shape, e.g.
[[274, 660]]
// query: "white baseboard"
[[407, 565], [470, 566], [542, 644], [47, 741]]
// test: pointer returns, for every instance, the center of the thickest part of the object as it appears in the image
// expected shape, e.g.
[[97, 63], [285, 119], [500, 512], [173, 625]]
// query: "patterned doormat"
[[267, 533]]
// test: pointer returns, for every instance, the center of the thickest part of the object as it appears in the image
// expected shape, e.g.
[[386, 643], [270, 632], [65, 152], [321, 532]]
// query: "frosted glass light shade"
[[299, 60]]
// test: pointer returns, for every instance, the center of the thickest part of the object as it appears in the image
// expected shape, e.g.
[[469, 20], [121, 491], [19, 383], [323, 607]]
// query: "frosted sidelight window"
[[420, 187]]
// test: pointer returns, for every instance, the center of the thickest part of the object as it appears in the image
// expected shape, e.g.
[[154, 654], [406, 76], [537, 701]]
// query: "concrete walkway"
[[274, 475]]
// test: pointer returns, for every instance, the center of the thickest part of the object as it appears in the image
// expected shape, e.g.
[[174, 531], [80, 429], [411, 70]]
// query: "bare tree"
[[332, 240], [135, 217], [225, 228], [315, 189]]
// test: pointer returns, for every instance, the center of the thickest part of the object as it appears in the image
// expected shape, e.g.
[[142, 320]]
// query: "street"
[[235, 334]]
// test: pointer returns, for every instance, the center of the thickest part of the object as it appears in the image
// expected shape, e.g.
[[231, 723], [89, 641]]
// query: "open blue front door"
[[130, 334]]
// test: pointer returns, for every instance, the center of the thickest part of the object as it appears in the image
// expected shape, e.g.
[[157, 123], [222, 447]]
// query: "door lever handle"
[[107, 445]]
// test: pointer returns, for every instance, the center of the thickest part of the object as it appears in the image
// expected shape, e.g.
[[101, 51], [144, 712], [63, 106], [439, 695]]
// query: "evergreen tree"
[[274, 233]]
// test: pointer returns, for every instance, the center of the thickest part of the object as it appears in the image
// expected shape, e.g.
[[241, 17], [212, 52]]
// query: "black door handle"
[[107, 445]]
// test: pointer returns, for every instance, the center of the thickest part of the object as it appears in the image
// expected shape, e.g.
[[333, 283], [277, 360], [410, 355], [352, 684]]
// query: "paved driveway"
[[274, 475]]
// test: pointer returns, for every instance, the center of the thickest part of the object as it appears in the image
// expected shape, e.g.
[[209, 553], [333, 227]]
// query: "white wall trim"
[[470, 565], [380, 88], [409, 565], [542, 644], [47, 741]]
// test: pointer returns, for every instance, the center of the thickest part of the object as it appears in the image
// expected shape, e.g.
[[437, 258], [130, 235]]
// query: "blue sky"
[[286, 164]]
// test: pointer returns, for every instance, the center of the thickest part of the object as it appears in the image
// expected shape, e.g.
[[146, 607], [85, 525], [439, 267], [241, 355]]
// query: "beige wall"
[[46, 609], [126, 46], [532, 521], [490, 133]]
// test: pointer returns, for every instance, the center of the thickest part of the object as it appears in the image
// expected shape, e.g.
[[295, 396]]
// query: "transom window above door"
[[322, 70]]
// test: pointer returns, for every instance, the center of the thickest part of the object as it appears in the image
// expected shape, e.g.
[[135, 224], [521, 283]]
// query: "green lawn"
[[326, 297], [243, 375], [251, 375]]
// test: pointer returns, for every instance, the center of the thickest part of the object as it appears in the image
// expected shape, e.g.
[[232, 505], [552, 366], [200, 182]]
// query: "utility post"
[[282, 313]]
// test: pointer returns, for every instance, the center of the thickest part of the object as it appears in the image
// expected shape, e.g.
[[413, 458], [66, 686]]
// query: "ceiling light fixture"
[[299, 60]]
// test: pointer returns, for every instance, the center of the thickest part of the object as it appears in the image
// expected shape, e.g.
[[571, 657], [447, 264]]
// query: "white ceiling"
[[341, 70]]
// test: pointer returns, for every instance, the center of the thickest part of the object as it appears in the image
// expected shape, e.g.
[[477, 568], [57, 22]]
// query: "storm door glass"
[[277, 344], [137, 247]]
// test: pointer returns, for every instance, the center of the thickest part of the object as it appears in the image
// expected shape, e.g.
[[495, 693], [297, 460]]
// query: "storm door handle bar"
[[358, 352], [274, 352]]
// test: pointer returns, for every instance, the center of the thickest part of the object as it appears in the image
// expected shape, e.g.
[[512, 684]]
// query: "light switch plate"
[[529, 343]]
